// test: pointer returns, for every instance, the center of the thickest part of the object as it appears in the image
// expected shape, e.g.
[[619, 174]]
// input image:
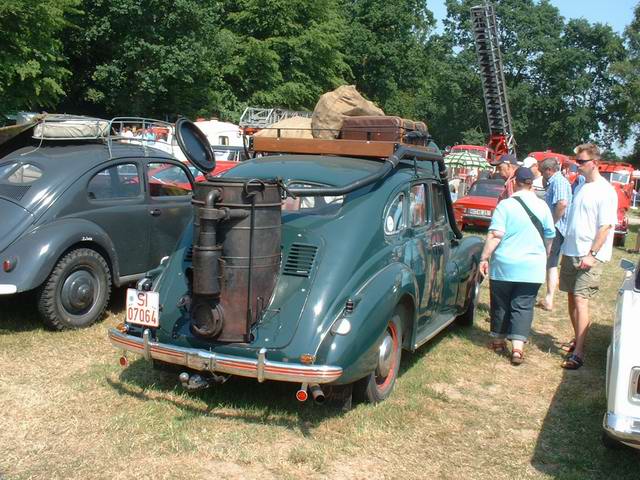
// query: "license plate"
[[483, 213], [143, 308]]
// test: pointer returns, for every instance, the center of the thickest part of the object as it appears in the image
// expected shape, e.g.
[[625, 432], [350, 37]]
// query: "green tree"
[[386, 51], [627, 91], [32, 66], [559, 75], [150, 57], [284, 52]]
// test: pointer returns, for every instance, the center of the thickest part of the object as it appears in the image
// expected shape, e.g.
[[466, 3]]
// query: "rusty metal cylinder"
[[245, 243]]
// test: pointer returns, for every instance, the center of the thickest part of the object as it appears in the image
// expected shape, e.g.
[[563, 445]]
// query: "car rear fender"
[[37, 252], [374, 304], [466, 256]]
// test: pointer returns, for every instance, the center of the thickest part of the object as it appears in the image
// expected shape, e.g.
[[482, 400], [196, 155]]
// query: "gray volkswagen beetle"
[[82, 211]]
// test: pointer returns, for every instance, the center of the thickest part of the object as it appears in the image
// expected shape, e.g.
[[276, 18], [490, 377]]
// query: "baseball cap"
[[529, 162], [524, 174], [508, 158]]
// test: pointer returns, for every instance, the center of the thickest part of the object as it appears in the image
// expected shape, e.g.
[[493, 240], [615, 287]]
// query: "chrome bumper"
[[195, 359], [622, 428]]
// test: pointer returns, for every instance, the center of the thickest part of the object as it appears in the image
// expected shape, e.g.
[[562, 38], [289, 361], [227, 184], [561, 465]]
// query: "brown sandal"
[[517, 356], [568, 347], [498, 346]]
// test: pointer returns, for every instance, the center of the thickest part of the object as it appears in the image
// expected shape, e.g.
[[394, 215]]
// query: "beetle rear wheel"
[[76, 292], [378, 385]]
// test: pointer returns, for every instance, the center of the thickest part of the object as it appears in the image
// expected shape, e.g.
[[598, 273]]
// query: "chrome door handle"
[[155, 212], [438, 244]]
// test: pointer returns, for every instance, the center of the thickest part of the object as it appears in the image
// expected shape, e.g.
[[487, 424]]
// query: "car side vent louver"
[[300, 260], [188, 254], [14, 192]]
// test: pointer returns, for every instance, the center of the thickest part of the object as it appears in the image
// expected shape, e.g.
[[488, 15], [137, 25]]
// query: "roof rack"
[[254, 117], [164, 137], [351, 148]]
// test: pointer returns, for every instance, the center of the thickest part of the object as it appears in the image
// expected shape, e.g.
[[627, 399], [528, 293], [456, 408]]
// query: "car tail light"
[[9, 264], [634, 385]]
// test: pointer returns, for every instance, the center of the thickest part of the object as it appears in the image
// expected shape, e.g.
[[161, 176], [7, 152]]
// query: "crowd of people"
[[546, 230]]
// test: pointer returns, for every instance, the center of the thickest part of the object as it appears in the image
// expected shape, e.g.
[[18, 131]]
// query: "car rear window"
[[20, 174], [311, 205]]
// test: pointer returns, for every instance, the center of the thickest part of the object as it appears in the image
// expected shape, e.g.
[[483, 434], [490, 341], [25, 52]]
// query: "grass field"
[[459, 411]]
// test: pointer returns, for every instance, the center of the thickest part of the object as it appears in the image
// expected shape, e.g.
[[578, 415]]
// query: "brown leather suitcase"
[[384, 128]]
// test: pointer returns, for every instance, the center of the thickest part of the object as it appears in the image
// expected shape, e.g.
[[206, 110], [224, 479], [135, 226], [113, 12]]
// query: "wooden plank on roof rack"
[[317, 146]]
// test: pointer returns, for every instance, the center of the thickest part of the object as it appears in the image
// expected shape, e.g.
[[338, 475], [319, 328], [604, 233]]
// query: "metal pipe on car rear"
[[316, 393]]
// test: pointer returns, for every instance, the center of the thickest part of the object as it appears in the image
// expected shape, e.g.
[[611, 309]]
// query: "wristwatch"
[[593, 253]]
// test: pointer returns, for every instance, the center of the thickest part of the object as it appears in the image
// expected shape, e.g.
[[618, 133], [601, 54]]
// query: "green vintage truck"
[[316, 262]]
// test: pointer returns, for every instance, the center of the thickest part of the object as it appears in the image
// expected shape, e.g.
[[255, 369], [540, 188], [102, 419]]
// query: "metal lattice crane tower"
[[485, 32]]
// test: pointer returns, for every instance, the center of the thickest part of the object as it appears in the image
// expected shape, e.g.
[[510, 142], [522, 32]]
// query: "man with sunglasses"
[[587, 245]]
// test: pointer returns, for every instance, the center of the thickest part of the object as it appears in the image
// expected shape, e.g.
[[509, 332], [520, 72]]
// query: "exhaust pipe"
[[317, 393]]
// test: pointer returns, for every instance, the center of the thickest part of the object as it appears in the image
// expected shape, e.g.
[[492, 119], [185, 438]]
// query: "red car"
[[476, 208], [166, 174], [620, 176]]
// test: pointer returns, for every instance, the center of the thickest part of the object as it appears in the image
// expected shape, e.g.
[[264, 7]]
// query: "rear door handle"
[[437, 244], [155, 212]]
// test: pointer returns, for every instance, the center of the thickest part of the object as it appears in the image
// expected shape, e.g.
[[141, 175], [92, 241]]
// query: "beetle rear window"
[[20, 174], [313, 205]]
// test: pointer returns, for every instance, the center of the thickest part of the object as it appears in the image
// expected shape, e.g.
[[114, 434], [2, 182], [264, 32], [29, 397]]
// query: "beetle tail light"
[[8, 264], [123, 361]]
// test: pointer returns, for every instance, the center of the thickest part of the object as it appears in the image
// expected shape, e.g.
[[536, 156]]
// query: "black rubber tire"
[[468, 317], [370, 389], [82, 261]]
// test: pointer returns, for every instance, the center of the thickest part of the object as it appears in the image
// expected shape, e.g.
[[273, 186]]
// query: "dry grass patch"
[[459, 411]]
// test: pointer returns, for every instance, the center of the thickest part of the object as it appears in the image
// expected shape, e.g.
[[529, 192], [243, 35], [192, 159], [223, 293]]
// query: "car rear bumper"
[[195, 359], [622, 428], [476, 220], [6, 289]]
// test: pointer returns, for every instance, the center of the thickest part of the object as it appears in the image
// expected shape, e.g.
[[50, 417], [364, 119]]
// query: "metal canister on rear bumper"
[[201, 360]]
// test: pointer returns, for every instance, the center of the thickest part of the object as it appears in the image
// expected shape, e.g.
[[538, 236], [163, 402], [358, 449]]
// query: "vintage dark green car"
[[325, 288]]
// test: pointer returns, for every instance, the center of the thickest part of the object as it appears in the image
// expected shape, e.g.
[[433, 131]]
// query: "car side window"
[[394, 216], [439, 213], [118, 181], [418, 205], [167, 180]]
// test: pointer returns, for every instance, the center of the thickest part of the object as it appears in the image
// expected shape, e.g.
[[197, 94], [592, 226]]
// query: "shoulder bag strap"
[[536, 222]]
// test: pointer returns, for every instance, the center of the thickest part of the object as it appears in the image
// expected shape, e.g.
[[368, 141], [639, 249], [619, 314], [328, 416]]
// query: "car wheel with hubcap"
[[378, 385], [76, 292]]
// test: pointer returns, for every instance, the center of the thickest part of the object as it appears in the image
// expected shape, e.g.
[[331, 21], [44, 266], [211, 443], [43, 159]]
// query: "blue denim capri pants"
[[512, 309]]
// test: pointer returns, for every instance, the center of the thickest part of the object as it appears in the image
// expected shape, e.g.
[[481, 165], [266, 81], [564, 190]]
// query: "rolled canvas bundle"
[[333, 107]]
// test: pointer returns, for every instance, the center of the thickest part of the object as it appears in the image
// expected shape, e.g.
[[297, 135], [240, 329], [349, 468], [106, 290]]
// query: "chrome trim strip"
[[8, 289], [202, 360]]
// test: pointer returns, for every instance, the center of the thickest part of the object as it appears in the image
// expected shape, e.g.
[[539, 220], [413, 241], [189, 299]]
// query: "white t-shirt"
[[595, 204]]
